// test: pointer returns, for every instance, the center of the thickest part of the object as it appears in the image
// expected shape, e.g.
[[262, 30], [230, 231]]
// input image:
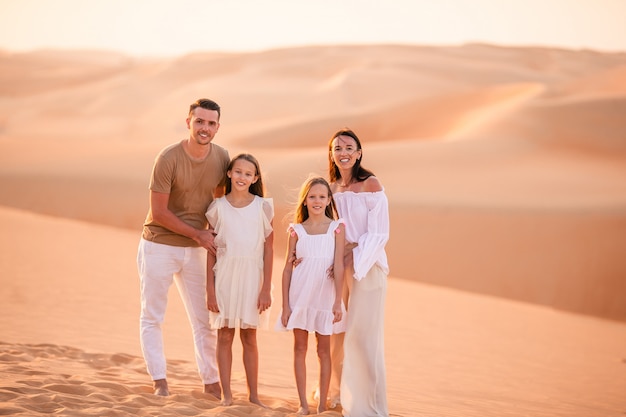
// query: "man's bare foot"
[[227, 401], [303, 411], [321, 409], [213, 389], [160, 388]]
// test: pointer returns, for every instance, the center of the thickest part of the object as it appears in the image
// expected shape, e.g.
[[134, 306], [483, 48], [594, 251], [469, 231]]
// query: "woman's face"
[[344, 152]]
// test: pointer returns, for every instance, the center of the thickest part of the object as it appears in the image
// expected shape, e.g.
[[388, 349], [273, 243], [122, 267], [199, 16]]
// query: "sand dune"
[[542, 132], [611, 82], [505, 170]]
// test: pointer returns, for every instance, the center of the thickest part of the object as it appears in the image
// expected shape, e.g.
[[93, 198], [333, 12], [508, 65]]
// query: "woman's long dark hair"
[[358, 172]]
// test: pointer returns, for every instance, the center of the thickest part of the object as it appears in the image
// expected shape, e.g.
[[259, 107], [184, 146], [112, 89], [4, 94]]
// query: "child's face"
[[317, 199], [242, 174]]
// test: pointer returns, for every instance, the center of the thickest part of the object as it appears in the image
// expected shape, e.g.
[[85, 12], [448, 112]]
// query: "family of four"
[[209, 229]]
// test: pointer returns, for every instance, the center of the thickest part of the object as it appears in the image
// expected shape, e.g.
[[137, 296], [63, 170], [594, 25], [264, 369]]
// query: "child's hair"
[[302, 212], [256, 188]]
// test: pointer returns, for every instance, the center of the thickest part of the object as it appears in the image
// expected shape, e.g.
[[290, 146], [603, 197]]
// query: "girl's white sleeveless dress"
[[240, 238]]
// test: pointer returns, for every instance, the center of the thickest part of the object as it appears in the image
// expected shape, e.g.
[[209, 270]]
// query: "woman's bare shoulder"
[[372, 184]]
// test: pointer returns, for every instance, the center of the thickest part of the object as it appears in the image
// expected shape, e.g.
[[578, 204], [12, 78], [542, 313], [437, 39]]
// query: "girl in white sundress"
[[239, 276], [312, 295]]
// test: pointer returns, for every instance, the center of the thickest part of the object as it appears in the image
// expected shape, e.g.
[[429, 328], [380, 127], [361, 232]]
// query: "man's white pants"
[[159, 265]]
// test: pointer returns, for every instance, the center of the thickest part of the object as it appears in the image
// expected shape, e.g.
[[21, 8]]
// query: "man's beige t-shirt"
[[190, 184]]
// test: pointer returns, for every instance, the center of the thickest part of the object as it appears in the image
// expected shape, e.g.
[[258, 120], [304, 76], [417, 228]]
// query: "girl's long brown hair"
[[256, 188]]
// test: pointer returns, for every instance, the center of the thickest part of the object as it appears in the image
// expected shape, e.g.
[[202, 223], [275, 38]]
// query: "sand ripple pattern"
[[44, 379]]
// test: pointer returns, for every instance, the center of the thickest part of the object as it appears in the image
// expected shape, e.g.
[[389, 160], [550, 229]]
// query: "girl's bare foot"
[[227, 401], [257, 402], [303, 411]]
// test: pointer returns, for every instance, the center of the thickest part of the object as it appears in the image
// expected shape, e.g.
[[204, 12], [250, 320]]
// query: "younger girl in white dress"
[[239, 277], [312, 297]]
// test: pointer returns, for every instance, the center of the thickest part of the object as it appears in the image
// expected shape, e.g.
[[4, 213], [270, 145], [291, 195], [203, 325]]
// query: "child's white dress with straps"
[[312, 291]]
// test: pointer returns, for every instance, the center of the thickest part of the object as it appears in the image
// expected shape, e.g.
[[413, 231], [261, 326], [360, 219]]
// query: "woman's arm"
[[371, 244]]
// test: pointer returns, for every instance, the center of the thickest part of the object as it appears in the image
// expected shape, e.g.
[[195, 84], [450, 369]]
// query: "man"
[[186, 177]]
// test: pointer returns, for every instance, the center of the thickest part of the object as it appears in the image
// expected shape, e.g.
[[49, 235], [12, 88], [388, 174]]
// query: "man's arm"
[[164, 216]]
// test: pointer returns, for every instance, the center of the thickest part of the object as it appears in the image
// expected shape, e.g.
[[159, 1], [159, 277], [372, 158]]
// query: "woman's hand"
[[293, 259], [347, 257]]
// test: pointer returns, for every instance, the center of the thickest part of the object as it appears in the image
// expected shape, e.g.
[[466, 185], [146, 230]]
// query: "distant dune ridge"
[[505, 170]]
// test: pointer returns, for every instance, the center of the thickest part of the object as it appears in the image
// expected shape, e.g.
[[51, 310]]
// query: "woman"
[[361, 201]]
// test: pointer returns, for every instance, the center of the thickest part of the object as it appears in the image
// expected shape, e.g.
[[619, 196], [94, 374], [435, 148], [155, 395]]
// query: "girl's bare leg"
[[251, 363], [301, 340], [336, 355], [225, 338], [323, 354], [336, 349]]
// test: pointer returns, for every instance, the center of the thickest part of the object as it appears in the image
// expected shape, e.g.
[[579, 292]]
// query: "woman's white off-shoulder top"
[[367, 224]]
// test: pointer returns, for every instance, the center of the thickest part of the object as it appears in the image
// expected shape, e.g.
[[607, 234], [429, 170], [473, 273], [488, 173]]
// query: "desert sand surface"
[[505, 170]]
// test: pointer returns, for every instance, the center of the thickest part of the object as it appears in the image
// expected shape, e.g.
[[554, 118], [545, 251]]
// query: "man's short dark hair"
[[207, 104]]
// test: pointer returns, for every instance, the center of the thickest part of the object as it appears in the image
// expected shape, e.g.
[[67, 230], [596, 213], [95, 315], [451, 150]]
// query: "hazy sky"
[[159, 28]]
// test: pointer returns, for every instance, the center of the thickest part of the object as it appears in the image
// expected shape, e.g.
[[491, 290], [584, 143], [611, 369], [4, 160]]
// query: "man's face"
[[203, 125]]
